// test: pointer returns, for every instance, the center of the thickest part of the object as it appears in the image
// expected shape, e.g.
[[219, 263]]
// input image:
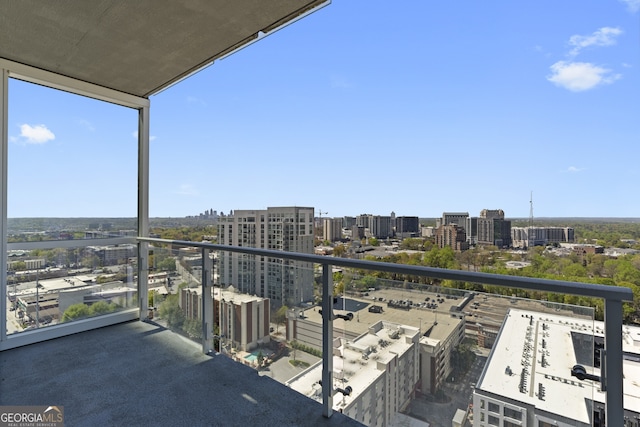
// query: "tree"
[[339, 250], [101, 307], [171, 312], [281, 316], [75, 311]]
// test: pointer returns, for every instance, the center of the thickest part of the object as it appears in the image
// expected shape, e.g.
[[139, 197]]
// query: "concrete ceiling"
[[137, 47]]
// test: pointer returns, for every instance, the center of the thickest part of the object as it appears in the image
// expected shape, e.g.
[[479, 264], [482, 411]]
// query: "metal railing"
[[613, 296]]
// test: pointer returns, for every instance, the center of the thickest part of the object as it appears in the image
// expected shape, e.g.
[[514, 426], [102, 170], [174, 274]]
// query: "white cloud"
[[574, 169], [632, 5], [605, 36], [580, 76], [187, 190], [38, 134]]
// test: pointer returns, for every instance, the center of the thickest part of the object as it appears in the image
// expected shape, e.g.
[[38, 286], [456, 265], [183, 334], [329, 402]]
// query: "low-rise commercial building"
[[527, 380]]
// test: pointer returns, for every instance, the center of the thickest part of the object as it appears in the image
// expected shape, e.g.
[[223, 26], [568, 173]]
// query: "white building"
[[527, 380], [280, 228], [523, 237], [381, 366]]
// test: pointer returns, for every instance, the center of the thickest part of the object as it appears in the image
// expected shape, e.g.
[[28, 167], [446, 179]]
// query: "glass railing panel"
[[424, 350], [59, 285], [175, 289], [418, 346]]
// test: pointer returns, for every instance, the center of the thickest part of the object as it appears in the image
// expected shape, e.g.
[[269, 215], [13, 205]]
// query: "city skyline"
[[364, 107]]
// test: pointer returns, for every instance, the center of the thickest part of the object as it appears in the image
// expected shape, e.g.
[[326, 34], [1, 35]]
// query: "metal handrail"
[[615, 293], [613, 297]]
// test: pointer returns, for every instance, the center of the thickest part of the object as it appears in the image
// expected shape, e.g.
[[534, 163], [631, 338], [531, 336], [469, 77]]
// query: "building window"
[[482, 404], [512, 413], [493, 407], [506, 423], [494, 421]]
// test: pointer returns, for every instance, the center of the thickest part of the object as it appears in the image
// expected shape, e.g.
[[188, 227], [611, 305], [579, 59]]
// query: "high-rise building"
[[458, 218], [407, 226], [284, 282], [451, 235], [380, 226], [494, 231], [332, 229], [492, 214]]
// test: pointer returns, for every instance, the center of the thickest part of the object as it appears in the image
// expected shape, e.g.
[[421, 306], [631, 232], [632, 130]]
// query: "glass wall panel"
[[51, 286], [72, 165], [72, 183]]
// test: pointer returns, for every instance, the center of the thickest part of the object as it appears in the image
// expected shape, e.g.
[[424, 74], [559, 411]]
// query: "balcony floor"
[[139, 373]]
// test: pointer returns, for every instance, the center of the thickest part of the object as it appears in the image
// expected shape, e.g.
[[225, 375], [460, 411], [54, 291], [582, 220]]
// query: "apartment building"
[[528, 381], [243, 319], [290, 229], [381, 367], [522, 236], [332, 229], [452, 235], [436, 346]]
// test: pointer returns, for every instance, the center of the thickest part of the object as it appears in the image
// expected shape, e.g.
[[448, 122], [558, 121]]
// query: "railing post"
[[327, 341], [207, 302], [143, 279], [614, 407]]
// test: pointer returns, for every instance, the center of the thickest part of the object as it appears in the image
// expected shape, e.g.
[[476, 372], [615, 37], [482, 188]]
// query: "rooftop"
[[358, 363], [546, 347], [139, 373]]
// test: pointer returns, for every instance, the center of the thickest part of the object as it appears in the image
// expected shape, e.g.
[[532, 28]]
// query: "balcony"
[[139, 373], [99, 362], [116, 366]]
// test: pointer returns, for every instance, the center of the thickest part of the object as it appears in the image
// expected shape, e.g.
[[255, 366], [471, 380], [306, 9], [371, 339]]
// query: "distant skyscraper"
[[407, 226], [332, 229], [452, 235], [289, 229]]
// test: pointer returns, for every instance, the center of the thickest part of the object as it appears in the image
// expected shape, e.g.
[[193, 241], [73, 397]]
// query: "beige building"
[[382, 368], [283, 282], [243, 319], [442, 329]]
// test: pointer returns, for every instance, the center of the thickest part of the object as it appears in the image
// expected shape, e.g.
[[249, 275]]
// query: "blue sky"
[[416, 107]]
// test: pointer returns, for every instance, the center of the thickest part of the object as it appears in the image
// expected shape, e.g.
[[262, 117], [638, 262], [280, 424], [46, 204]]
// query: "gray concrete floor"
[[141, 374]]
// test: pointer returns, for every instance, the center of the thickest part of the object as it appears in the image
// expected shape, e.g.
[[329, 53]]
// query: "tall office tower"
[[494, 232], [348, 221], [493, 229], [407, 226], [290, 229], [332, 229], [492, 214], [363, 220], [380, 226], [472, 230], [458, 218]]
